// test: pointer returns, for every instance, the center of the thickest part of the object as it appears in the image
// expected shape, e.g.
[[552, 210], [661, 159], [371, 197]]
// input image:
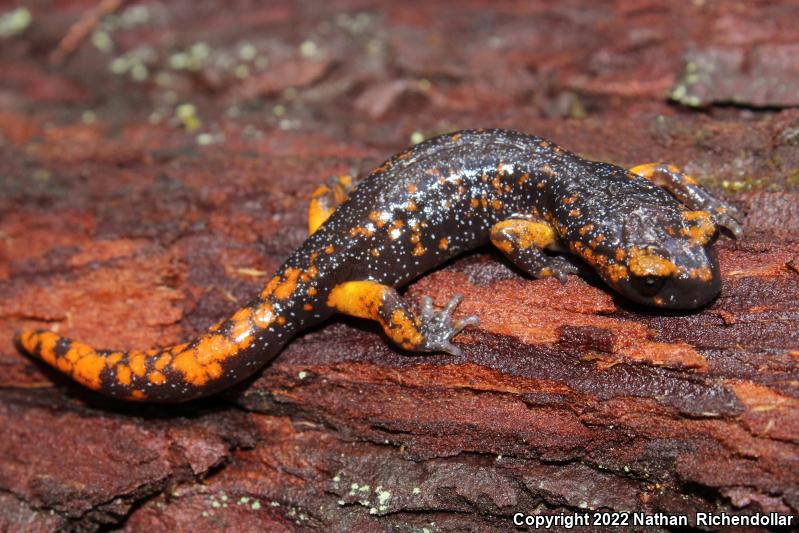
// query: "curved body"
[[443, 197]]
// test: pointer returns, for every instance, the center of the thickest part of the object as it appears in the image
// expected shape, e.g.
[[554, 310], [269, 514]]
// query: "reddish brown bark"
[[127, 220]]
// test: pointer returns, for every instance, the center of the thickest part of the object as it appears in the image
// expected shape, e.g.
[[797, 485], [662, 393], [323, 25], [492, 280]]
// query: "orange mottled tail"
[[226, 354]]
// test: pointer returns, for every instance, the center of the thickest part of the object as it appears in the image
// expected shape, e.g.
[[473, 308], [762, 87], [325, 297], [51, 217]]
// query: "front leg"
[[690, 193], [523, 240], [429, 331]]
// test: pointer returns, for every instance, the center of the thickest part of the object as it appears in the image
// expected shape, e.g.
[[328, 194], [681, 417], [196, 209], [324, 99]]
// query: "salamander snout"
[[686, 279]]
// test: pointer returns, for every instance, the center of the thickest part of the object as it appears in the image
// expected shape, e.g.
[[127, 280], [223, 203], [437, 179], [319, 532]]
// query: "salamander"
[[648, 232]]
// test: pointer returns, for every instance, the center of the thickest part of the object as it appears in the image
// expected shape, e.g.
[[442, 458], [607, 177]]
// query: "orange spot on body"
[[137, 364], [241, 330], [202, 363], [123, 375], [178, 348], [214, 370], [646, 263], [394, 230], [497, 184], [443, 244], [193, 372], [617, 272], [88, 367], [378, 219], [162, 361], [309, 274], [596, 241], [270, 287], [64, 365], [701, 229], [214, 347], [361, 230], [289, 283], [46, 341]]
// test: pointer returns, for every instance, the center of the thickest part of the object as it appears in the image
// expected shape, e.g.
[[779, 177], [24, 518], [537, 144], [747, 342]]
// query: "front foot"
[[437, 327], [728, 217], [688, 191]]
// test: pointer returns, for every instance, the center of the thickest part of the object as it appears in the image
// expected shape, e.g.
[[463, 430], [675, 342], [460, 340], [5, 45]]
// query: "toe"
[[731, 225], [462, 323], [453, 303], [427, 308], [451, 349]]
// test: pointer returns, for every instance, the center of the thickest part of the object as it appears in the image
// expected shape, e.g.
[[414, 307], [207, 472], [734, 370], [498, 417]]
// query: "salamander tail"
[[224, 355]]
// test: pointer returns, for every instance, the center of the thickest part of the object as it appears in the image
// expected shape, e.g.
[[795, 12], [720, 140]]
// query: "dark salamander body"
[[647, 232]]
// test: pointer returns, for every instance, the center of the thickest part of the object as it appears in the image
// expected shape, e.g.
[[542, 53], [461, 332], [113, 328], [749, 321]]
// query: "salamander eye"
[[648, 285]]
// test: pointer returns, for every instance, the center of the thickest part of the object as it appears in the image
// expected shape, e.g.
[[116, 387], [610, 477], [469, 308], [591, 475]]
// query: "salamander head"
[[665, 259]]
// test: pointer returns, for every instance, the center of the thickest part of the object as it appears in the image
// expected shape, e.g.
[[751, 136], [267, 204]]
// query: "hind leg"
[[429, 330], [688, 191], [326, 198]]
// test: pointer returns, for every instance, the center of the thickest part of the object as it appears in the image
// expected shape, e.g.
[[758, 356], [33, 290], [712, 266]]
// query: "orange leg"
[[523, 240], [429, 331], [326, 198]]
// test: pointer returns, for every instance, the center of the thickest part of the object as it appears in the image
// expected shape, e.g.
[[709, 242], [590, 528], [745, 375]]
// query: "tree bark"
[[130, 218]]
